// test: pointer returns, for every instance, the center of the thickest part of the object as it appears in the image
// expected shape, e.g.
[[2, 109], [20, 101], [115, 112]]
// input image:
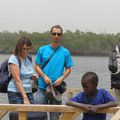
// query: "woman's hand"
[[25, 100], [34, 77]]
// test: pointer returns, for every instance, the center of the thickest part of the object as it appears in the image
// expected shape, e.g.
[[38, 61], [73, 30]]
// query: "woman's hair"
[[20, 43], [56, 26], [91, 76]]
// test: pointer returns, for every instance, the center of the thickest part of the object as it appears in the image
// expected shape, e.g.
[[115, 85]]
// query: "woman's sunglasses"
[[26, 49]]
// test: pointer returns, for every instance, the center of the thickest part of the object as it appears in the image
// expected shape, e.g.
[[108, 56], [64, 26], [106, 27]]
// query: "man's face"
[[56, 35]]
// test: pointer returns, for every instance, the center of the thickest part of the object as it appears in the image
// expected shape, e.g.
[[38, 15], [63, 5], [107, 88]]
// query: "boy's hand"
[[87, 107], [94, 108]]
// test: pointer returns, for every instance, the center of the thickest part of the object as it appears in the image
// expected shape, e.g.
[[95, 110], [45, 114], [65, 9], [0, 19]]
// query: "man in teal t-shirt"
[[57, 69]]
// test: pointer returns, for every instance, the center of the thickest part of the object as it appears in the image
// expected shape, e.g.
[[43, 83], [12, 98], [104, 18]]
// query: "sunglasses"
[[26, 49], [58, 34]]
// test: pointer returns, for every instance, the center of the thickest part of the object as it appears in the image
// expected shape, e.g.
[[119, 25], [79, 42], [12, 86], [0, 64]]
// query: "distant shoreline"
[[72, 55]]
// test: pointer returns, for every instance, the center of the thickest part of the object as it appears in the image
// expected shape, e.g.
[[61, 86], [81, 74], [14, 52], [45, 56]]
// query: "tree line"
[[78, 42]]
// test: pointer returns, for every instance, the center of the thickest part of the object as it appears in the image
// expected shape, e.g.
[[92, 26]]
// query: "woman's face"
[[25, 50]]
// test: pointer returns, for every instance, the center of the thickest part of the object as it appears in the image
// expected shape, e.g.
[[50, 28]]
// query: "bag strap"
[[30, 58], [19, 61], [49, 58]]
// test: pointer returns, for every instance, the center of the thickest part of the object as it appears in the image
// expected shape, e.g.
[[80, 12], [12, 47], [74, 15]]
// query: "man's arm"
[[40, 73], [60, 79]]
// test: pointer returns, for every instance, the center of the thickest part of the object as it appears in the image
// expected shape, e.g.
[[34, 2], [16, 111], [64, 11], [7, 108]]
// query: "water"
[[81, 65]]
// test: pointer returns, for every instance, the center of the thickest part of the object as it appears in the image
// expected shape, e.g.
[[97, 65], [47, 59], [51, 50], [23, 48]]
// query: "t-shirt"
[[102, 97], [26, 72], [55, 67]]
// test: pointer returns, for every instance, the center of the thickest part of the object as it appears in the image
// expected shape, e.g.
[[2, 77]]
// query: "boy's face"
[[88, 87]]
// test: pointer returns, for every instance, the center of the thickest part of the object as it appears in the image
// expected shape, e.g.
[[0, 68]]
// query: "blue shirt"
[[26, 72], [55, 67], [101, 97]]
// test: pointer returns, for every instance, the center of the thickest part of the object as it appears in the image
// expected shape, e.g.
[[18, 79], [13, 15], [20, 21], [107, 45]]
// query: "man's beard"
[[57, 41]]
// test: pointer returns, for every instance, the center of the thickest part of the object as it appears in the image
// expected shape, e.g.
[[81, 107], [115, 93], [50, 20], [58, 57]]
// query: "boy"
[[92, 98]]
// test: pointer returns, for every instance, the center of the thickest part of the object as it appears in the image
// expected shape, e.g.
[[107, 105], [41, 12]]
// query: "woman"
[[19, 88], [21, 68]]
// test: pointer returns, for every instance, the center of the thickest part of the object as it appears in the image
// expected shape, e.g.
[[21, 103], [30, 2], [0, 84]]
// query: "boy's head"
[[89, 82]]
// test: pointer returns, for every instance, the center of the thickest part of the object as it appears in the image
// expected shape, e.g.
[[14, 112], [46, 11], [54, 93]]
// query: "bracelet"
[[63, 77]]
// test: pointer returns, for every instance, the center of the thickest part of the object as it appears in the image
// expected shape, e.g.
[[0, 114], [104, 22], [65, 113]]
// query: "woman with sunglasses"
[[21, 69], [56, 70]]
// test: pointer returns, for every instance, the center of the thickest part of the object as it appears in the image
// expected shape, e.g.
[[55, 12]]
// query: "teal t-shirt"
[[55, 67], [26, 72]]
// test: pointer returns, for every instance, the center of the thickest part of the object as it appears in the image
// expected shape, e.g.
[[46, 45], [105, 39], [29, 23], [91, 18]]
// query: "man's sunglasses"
[[58, 34]]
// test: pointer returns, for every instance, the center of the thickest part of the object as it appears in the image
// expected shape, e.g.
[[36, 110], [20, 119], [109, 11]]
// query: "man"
[[114, 68], [56, 70]]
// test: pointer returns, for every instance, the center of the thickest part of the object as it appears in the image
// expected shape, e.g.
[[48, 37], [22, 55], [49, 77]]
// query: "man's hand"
[[58, 81], [47, 80]]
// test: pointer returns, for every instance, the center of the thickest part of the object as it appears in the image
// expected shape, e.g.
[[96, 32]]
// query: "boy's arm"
[[102, 106], [87, 107], [109, 101], [106, 105], [91, 108]]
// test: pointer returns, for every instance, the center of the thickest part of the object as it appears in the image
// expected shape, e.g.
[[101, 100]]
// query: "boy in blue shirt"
[[92, 99]]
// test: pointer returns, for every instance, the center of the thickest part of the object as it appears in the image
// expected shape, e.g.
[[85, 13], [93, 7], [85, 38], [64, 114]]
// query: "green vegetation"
[[78, 42]]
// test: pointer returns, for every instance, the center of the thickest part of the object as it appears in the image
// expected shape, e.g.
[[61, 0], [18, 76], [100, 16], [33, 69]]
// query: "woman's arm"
[[14, 69]]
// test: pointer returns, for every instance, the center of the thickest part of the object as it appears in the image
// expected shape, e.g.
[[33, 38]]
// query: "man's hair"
[[91, 76], [20, 43], [56, 26]]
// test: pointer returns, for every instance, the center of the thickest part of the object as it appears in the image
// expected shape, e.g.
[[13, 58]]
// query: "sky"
[[99, 16]]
